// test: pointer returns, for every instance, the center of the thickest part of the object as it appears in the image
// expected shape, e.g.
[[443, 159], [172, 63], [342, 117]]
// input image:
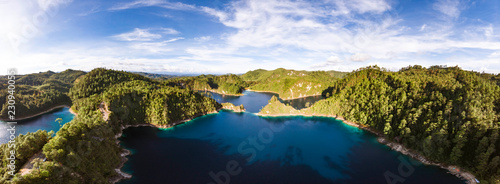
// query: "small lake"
[[254, 101], [243, 148], [43, 122], [301, 103]]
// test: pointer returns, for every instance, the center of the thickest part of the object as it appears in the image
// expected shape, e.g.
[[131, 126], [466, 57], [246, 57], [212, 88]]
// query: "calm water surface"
[[254, 101], [301, 103], [43, 122], [243, 148]]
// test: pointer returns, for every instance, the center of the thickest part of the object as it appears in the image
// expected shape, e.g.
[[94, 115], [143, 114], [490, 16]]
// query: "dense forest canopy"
[[447, 114], [85, 150], [224, 84], [291, 83], [157, 76], [38, 92]]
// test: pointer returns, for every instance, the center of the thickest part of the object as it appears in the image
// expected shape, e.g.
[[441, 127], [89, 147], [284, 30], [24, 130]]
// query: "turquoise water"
[[43, 122], [244, 148]]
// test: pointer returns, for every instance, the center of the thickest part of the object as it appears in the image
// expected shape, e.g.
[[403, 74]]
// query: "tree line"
[[447, 114], [38, 92], [85, 149]]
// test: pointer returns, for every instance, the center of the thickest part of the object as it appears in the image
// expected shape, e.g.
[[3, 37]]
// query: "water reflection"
[[43, 122]]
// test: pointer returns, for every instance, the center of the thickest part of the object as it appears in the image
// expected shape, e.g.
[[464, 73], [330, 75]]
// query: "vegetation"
[[106, 101], [156, 76], [445, 113], [38, 92], [232, 107], [291, 84], [24, 147], [276, 107], [225, 84]]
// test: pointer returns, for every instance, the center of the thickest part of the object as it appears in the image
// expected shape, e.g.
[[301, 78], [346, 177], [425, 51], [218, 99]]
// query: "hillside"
[[224, 84], [35, 93], [85, 150], [291, 84], [448, 115], [156, 75]]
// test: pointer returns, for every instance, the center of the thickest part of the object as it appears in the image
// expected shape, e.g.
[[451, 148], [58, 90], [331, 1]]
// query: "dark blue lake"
[[254, 101], [243, 148], [43, 122], [301, 103]]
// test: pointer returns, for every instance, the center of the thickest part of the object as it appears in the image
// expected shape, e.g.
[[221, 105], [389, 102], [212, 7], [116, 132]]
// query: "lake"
[[242, 148], [254, 101], [46, 121]]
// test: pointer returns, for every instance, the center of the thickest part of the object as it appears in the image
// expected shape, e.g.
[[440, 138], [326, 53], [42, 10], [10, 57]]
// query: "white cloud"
[[450, 8], [23, 20], [372, 6], [331, 61], [146, 3], [137, 35], [296, 24], [495, 54], [203, 38], [330, 34], [423, 27], [93, 10], [46, 4], [154, 47], [334, 59], [169, 31], [360, 57]]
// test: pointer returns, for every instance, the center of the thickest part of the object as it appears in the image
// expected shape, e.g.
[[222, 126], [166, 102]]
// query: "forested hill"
[[157, 76], [291, 84], [224, 84], [85, 150], [38, 92], [447, 114]]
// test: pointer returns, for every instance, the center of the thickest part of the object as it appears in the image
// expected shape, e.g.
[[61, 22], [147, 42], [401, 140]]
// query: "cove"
[[43, 122], [266, 150], [254, 101]]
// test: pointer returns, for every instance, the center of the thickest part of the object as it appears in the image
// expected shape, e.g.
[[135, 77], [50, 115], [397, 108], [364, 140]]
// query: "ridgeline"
[[85, 150], [291, 84], [446, 114], [35, 93]]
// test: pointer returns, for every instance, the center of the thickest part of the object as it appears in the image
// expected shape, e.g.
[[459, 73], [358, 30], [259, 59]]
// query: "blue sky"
[[222, 36]]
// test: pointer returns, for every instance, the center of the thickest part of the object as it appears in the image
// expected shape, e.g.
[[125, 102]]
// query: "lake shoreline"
[[258, 91], [215, 91], [43, 112], [454, 170], [126, 152]]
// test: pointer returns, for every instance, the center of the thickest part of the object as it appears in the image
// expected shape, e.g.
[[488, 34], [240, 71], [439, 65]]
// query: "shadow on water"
[[301, 103], [254, 101], [174, 160], [305, 150], [371, 162]]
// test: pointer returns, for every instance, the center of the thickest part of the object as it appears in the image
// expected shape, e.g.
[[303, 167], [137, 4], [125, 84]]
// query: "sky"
[[223, 36]]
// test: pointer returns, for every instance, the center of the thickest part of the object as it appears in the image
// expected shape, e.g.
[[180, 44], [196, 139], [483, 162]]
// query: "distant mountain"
[[157, 76], [291, 84]]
